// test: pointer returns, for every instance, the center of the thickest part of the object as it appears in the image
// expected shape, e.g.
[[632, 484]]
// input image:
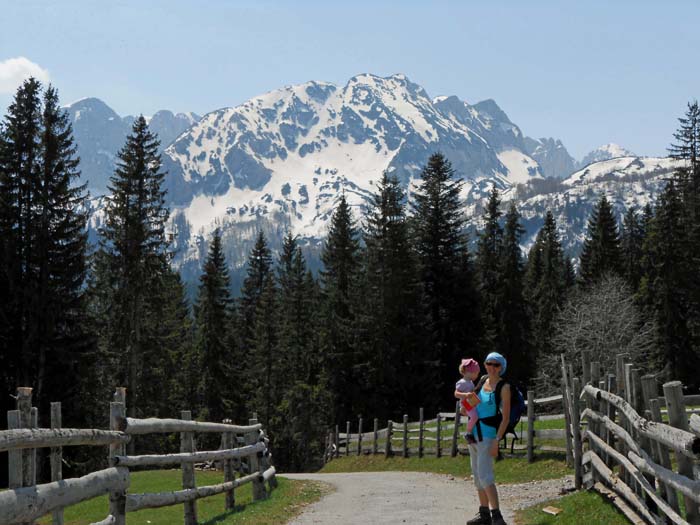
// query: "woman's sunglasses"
[[495, 365]]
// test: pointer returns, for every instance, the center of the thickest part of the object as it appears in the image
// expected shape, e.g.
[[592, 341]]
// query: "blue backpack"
[[517, 406]]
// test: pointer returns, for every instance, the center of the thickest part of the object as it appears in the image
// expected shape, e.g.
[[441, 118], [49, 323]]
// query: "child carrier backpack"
[[517, 408]]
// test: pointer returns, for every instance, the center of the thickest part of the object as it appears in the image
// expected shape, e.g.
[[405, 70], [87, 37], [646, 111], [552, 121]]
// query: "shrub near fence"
[[444, 434], [25, 501], [630, 447]]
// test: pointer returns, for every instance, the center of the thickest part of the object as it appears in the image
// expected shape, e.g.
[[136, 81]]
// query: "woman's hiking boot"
[[497, 518], [483, 517]]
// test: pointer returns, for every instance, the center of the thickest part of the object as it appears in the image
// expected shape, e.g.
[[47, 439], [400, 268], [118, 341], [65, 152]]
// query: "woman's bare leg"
[[483, 498], [491, 496]]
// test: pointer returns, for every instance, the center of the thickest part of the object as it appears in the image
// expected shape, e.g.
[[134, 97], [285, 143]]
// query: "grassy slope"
[[581, 507], [285, 502]]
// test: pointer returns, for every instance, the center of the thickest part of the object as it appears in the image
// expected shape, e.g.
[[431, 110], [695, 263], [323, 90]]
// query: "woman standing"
[[490, 429]]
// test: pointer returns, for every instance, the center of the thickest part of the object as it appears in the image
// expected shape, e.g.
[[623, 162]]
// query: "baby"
[[469, 369]]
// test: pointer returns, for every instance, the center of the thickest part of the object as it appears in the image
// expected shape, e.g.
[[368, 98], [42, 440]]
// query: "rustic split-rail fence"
[[243, 447], [444, 434]]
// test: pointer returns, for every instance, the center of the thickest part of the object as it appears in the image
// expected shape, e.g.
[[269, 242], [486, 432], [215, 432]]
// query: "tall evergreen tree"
[[389, 318], [340, 257], [601, 251], [546, 279], [489, 273], [43, 340], [446, 275], [631, 241], [265, 376], [514, 325], [133, 264], [212, 314], [666, 286]]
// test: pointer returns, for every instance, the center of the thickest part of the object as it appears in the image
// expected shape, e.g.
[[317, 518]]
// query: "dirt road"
[[412, 498]]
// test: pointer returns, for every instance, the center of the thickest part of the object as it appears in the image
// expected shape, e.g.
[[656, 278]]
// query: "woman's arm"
[[505, 411]]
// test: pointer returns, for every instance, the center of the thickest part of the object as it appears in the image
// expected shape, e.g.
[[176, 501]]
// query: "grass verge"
[[581, 507], [285, 502], [509, 470]]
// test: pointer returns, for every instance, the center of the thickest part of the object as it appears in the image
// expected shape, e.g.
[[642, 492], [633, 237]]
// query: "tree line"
[[402, 296]]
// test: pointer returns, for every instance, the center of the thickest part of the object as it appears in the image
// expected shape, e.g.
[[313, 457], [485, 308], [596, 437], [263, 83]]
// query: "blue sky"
[[585, 72]]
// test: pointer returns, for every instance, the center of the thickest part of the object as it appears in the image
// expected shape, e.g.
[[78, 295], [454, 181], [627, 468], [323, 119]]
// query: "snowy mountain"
[[605, 152], [552, 156], [281, 160], [100, 133]]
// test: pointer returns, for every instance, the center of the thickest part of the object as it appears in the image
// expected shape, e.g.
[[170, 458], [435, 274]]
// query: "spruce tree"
[[631, 241], [601, 251], [446, 275], [546, 284], [43, 338], [133, 263], [340, 257], [389, 319], [266, 353], [513, 325], [489, 273], [212, 314]]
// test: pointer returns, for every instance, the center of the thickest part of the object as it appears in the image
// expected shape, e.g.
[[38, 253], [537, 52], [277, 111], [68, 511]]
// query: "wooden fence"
[[634, 441], [444, 434], [25, 501]]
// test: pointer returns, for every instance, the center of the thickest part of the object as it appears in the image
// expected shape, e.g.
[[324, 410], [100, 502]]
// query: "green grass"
[[284, 502], [581, 507], [509, 470]]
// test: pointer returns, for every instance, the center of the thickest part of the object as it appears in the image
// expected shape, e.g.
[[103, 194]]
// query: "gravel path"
[[414, 498]]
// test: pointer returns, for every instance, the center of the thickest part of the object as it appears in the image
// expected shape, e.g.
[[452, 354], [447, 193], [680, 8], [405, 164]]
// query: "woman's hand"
[[494, 449]]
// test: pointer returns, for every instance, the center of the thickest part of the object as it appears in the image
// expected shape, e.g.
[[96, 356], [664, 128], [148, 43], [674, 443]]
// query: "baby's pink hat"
[[470, 365]]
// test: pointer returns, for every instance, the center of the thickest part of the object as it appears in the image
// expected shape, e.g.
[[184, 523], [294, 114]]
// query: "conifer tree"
[[133, 263], [213, 313], [631, 241], [267, 357], [666, 286], [446, 275], [601, 249], [43, 338], [340, 257], [389, 319], [546, 284], [489, 273], [514, 325]]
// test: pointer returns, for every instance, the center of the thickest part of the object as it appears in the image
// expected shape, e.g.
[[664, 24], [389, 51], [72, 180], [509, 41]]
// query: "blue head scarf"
[[495, 356]]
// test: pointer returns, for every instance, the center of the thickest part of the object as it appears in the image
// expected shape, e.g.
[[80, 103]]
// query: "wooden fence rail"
[[628, 446], [25, 501], [445, 431]]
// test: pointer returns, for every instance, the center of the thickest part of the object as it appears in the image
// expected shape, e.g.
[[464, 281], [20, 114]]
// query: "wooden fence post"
[[117, 413], [56, 459], [420, 432], [566, 405], [255, 464], [530, 426], [438, 450], [389, 433], [610, 412], [375, 436], [337, 442], [650, 393], [620, 360], [14, 457], [405, 435], [229, 441], [347, 438], [677, 417], [576, 430], [188, 479], [586, 366], [592, 403], [359, 436], [24, 406], [455, 431]]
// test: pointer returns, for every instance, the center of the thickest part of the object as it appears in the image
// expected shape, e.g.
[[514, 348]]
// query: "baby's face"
[[472, 375]]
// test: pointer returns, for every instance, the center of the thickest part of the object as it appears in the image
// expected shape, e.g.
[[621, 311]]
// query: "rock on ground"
[[414, 498]]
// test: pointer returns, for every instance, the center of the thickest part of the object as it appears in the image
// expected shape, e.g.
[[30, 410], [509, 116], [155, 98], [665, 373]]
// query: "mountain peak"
[[606, 152]]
